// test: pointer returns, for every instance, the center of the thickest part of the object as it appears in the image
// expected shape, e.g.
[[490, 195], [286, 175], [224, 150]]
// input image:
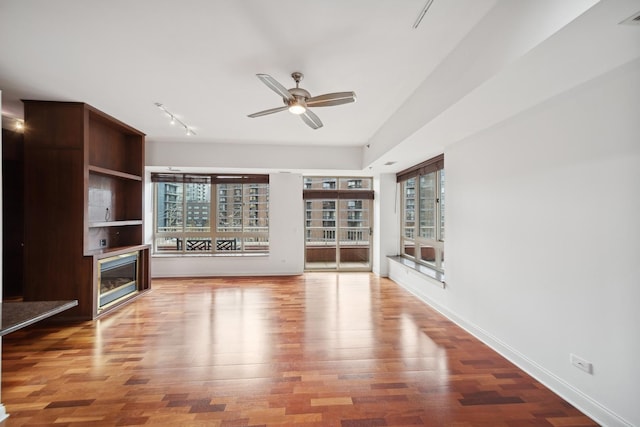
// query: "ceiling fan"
[[298, 101]]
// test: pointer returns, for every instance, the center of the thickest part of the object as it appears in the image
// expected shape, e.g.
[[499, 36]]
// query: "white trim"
[[3, 413], [575, 397], [421, 272]]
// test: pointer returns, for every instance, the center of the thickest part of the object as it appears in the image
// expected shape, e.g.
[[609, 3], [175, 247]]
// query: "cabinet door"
[[53, 223], [12, 213]]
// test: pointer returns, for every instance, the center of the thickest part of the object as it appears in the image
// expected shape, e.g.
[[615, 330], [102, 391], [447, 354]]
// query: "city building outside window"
[[218, 214]]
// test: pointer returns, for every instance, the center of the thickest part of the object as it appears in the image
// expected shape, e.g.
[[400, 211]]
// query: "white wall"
[[506, 33], [259, 157], [286, 240], [543, 242], [386, 230]]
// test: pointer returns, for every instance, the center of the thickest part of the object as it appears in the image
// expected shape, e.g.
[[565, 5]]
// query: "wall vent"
[[632, 20]]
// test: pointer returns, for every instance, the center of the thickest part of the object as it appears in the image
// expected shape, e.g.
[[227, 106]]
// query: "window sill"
[[422, 269], [208, 255]]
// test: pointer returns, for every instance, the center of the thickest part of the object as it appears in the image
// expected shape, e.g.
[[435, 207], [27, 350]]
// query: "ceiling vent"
[[632, 20]]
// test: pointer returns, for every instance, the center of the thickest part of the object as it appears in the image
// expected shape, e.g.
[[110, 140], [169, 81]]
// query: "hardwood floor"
[[321, 349]]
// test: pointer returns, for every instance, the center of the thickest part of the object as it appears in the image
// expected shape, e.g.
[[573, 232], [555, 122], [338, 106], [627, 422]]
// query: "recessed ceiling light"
[[393, 162]]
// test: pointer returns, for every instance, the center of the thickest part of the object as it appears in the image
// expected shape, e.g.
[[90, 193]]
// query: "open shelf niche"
[[84, 184]]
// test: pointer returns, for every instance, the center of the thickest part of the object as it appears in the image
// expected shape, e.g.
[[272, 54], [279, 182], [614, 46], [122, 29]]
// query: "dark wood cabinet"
[[12, 213], [83, 202]]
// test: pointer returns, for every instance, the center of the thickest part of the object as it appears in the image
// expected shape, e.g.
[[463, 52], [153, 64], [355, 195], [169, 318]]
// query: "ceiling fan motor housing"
[[300, 96]]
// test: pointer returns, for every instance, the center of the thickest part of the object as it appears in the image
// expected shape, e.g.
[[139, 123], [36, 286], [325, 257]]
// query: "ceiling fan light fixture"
[[297, 108]]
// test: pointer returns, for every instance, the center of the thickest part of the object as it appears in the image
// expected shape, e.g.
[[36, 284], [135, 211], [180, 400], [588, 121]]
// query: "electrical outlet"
[[103, 243], [580, 363]]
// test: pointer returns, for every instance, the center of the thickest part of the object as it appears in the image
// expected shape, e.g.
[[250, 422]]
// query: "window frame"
[[412, 216], [248, 239]]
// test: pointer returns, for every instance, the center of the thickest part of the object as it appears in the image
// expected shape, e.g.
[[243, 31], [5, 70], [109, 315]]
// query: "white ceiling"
[[199, 58]]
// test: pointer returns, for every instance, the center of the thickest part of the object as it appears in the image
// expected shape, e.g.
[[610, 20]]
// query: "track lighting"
[[422, 13], [173, 119]]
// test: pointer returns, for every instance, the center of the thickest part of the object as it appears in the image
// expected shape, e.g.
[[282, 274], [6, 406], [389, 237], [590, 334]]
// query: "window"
[[329, 184], [423, 213], [354, 183], [211, 213]]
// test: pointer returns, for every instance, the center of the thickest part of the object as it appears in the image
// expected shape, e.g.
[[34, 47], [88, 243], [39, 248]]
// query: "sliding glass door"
[[338, 224]]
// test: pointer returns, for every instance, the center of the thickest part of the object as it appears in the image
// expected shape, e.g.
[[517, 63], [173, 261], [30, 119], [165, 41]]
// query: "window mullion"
[[213, 208], [243, 224], [416, 217], [438, 218], [183, 234], [436, 207]]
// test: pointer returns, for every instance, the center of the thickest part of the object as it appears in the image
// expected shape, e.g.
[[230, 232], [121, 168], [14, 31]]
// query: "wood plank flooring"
[[321, 349]]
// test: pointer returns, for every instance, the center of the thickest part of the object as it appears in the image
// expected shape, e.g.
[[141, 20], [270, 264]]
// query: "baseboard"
[[3, 413], [584, 403], [182, 274]]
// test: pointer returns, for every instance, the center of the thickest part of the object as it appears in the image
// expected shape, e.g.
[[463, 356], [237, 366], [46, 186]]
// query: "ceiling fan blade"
[[329, 99], [271, 111], [275, 86], [311, 119]]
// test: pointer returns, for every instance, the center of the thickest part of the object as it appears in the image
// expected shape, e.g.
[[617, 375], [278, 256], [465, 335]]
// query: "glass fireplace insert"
[[117, 277]]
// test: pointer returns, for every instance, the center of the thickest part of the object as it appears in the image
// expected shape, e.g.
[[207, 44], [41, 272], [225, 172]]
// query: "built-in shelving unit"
[[114, 223], [84, 177], [109, 172]]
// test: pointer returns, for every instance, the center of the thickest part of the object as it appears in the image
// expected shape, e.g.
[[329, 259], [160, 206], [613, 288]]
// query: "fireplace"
[[117, 278]]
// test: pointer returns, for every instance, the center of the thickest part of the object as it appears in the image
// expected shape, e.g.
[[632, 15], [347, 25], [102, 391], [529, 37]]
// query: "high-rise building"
[[169, 206]]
